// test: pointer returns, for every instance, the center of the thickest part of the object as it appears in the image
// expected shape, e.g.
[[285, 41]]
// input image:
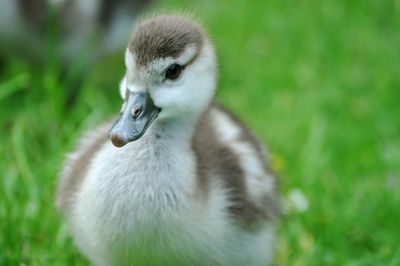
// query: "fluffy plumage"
[[164, 37], [195, 189]]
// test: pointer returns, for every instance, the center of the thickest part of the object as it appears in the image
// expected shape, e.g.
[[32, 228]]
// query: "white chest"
[[138, 205], [134, 198]]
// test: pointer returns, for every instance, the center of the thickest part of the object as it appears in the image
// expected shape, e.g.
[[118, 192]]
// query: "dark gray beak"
[[138, 113]]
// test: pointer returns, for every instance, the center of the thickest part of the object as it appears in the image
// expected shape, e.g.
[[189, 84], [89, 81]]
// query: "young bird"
[[182, 181]]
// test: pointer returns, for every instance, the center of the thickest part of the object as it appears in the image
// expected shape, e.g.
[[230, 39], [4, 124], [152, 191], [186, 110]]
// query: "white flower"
[[296, 201]]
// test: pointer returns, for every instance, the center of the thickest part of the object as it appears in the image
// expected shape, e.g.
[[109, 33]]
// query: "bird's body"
[[195, 189]]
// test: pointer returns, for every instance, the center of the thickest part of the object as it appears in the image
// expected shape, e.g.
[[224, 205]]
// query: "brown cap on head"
[[164, 36]]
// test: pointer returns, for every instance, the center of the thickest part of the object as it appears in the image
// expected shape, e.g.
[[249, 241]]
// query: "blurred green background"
[[318, 81]]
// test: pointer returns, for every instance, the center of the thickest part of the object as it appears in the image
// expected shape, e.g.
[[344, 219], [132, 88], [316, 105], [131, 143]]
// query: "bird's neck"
[[180, 129], [163, 160]]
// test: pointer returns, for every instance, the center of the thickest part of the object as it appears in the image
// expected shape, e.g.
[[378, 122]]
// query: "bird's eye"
[[173, 72]]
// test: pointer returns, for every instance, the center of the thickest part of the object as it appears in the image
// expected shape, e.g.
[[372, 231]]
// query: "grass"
[[318, 81]]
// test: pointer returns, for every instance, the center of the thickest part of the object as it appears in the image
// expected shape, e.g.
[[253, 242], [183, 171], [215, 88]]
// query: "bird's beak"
[[137, 114]]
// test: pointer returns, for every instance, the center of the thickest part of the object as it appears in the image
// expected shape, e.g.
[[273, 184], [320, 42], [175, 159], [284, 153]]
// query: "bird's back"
[[229, 155]]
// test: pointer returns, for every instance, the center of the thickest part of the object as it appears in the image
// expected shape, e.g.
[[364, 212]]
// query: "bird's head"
[[170, 74]]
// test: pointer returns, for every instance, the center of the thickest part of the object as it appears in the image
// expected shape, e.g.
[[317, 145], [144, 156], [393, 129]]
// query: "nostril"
[[136, 111]]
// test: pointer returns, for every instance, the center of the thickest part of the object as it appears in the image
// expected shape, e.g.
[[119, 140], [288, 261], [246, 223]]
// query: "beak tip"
[[131, 127], [117, 141]]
